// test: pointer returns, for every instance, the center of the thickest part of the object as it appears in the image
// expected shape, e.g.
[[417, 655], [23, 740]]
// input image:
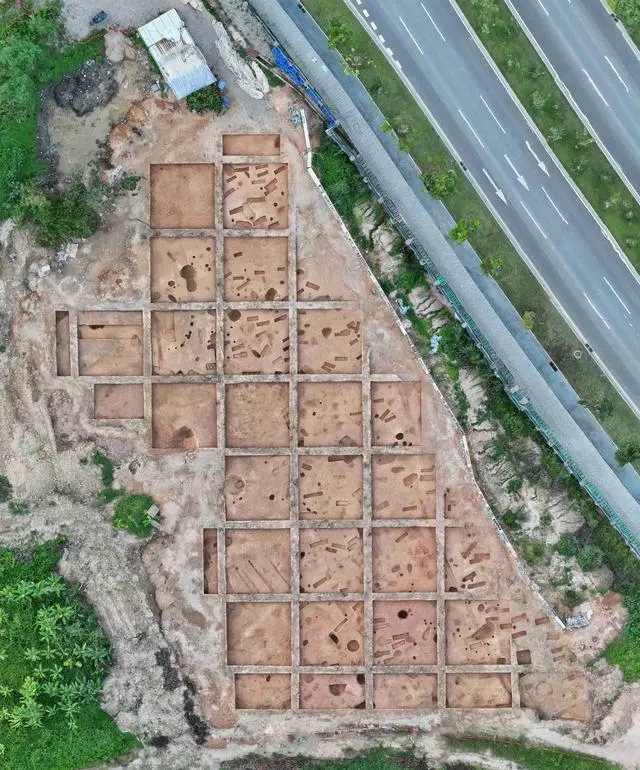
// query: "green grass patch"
[[131, 514], [420, 139], [532, 757], [207, 99], [629, 13], [54, 660], [107, 468], [6, 490]]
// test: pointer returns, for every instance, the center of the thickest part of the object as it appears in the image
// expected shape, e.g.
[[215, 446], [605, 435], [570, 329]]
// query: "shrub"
[[207, 99], [132, 514], [590, 558], [567, 545], [573, 598], [6, 490], [533, 551], [19, 507], [512, 519], [107, 468], [514, 486]]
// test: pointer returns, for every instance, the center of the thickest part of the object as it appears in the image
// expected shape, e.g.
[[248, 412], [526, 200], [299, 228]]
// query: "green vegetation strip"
[[629, 13], [499, 258], [596, 542], [53, 660], [532, 757]]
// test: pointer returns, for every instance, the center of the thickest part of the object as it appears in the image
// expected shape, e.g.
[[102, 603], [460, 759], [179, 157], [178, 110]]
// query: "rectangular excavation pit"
[[404, 486], [63, 344], [479, 691], [405, 691], [330, 487], [183, 269], [257, 414], [110, 343], [118, 402], [258, 561], [257, 488], [256, 341], [476, 561], [332, 633], [183, 342], [556, 694], [182, 196], [184, 416], [396, 414], [404, 633], [256, 269], [332, 691], [256, 196], [259, 633], [330, 414], [210, 561], [329, 341], [263, 691], [478, 633], [248, 145], [331, 561], [404, 559]]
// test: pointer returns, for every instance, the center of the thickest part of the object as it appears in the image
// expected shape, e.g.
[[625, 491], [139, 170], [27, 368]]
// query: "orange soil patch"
[[257, 414], [256, 196], [404, 559], [329, 341], [251, 144], [110, 343], [257, 488], [396, 413], [404, 486], [256, 341], [556, 695], [332, 691], [182, 196], [475, 560], [183, 269], [405, 691], [259, 633], [404, 633], [331, 634], [118, 402], [256, 269], [183, 342], [331, 560], [478, 691], [263, 691], [478, 633], [330, 487], [184, 415], [330, 414], [258, 561]]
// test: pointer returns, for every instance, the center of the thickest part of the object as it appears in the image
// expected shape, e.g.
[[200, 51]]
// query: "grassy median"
[[498, 256], [628, 12]]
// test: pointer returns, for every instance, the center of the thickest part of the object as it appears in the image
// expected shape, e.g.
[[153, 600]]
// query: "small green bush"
[[567, 545], [6, 490], [573, 598], [533, 551], [19, 507], [590, 558], [512, 519], [107, 468], [514, 486], [132, 514], [207, 99]]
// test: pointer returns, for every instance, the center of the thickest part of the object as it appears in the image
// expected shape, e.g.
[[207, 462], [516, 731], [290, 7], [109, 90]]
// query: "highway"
[[596, 67], [566, 246]]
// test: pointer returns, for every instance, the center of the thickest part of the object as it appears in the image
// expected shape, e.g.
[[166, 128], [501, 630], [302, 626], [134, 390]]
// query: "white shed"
[[180, 60]]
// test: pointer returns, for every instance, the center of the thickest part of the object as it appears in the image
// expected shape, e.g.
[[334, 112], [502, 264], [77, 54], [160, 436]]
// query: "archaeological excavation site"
[[325, 546]]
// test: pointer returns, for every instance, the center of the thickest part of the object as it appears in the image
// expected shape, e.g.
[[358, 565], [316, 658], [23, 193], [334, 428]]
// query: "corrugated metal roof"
[[180, 60]]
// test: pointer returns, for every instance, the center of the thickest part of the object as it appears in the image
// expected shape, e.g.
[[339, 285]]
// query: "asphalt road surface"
[[599, 69], [562, 241]]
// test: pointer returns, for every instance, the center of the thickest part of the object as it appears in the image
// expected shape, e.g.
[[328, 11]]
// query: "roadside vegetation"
[[53, 660], [499, 259], [628, 11], [34, 54], [596, 543]]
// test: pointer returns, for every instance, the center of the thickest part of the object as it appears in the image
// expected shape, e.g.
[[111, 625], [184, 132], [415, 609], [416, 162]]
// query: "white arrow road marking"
[[618, 297], [472, 128], [498, 191], [608, 60], [596, 311], [410, 35], [492, 115], [554, 206], [597, 90], [433, 22], [519, 176], [533, 220], [540, 163]]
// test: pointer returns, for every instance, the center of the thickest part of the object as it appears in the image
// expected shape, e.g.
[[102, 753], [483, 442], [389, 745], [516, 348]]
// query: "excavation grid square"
[[183, 196], [256, 341], [330, 487], [255, 269], [183, 269]]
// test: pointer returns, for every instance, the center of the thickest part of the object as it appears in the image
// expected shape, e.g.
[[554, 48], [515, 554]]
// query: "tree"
[[590, 558], [340, 35], [440, 184], [463, 227], [539, 100], [492, 266], [556, 133], [628, 452], [528, 319]]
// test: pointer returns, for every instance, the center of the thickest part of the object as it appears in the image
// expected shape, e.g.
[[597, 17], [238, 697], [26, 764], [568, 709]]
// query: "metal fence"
[[497, 365]]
